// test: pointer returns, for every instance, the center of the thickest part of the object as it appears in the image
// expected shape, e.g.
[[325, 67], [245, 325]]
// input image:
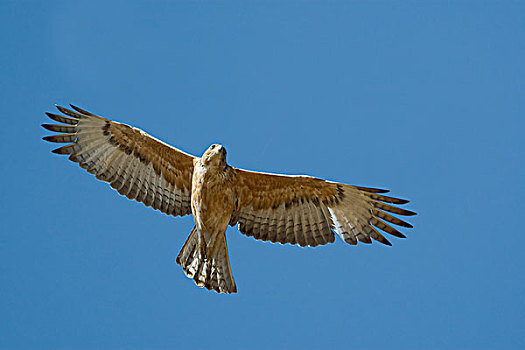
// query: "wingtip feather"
[[70, 112], [385, 242], [67, 149], [58, 151], [410, 213], [387, 199], [372, 189], [80, 110], [62, 109], [46, 126]]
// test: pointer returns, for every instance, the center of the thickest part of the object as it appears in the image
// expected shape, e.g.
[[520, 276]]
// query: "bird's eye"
[[212, 146]]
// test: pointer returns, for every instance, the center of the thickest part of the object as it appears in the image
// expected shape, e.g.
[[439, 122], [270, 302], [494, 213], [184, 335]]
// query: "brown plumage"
[[299, 210]]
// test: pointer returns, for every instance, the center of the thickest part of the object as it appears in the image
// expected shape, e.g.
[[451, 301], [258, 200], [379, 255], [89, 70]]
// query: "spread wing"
[[136, 164], [304, 210]]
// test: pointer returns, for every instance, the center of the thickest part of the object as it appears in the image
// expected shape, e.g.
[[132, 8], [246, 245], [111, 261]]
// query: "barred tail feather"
[[207, 263]]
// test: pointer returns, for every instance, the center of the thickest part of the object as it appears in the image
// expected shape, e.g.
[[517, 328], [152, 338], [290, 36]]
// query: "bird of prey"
[[295, 209]]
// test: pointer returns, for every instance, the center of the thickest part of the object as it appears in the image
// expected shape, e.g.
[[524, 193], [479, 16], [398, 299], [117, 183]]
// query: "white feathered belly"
[[212, 200]]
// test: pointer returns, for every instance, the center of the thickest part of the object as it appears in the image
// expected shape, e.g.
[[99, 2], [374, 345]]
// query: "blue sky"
[[423, 98]]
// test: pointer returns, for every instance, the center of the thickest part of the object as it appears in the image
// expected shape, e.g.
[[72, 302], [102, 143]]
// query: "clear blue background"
[[424, 98]]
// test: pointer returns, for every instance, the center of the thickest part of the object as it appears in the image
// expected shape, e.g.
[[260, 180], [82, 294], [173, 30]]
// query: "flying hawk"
[[299, 210]]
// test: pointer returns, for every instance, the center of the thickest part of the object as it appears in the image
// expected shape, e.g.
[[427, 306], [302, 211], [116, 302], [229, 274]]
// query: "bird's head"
[[214, 155]]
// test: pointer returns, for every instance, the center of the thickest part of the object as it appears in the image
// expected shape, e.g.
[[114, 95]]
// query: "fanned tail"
[[207, 262]]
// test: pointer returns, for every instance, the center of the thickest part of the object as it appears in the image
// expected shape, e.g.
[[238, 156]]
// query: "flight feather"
[[134, 163]]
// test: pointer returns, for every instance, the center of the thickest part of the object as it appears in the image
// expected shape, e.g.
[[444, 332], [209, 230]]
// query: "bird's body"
[[212, 204], [299, 210], [212, 193]]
